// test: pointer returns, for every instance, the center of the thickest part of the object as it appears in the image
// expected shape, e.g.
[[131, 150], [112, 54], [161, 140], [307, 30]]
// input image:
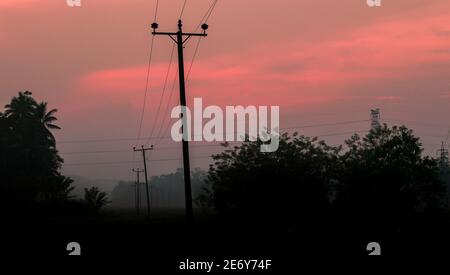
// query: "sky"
[[321, 61]]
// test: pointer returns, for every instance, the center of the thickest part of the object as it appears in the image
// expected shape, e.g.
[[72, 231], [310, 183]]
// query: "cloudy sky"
[[321, 61]]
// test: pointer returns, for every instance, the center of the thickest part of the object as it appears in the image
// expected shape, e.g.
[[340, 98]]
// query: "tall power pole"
[[443, 158], [180, 38], [375, 119], [444, 162], [138, 192], [143, 150]]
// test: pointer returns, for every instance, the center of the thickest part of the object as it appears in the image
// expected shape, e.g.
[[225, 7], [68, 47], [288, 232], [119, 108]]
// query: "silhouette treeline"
[[380, 179], [30, 177], [167, 190]]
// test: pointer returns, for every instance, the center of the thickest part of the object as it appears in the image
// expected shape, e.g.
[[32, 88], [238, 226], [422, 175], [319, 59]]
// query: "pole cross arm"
[[194, 34], [176, 33], [180, 33]]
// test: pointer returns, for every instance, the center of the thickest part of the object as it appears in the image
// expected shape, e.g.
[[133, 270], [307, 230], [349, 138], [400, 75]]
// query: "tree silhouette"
[[29, 160], [95, 199], [381, 178], [46, 119], [167, 190], [385, 178], [21, 107], [285, 186]]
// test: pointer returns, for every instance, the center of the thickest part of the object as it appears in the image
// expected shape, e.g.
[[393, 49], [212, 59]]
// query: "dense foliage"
[[29, 161], [30, 177], [382, 176]]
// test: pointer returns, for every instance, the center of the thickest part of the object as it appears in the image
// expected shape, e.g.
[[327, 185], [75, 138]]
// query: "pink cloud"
[[388, 98], [15, 2], [298, 73], [444, 96]]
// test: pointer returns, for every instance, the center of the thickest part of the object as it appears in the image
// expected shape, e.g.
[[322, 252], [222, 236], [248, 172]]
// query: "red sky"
[[321, 61]]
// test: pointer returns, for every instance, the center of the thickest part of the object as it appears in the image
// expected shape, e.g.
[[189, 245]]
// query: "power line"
[[198, 146], [151, 160], [343, 133], [327, 124], [180, 38], [182, 9], [160, 132], [335, 113], [204, 19], [207, 14], [162, 95], [418, 123], [312, 115], [193, 58], [429, 135], [156, 11], [127, 150], [163, 125], [198, 157], [212, 9], [144, 103], [129, 162], [144, 138]]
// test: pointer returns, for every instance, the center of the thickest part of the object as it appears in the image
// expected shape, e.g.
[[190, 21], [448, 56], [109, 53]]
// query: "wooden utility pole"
[[180, 38], [143, 150], [138, 192]]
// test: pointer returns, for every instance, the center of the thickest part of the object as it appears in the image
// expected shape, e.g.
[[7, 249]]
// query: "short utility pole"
[[143, 150], [138, 192]]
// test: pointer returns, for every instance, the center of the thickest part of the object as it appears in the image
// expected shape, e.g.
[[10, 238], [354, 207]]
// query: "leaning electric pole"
[[138, 192], [143, 150], [180, 38]]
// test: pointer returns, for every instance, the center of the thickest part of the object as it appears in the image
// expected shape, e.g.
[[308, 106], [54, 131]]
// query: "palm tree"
[[20, 107], [46, 119], [29, 161], [95, 199], [58, 188]]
